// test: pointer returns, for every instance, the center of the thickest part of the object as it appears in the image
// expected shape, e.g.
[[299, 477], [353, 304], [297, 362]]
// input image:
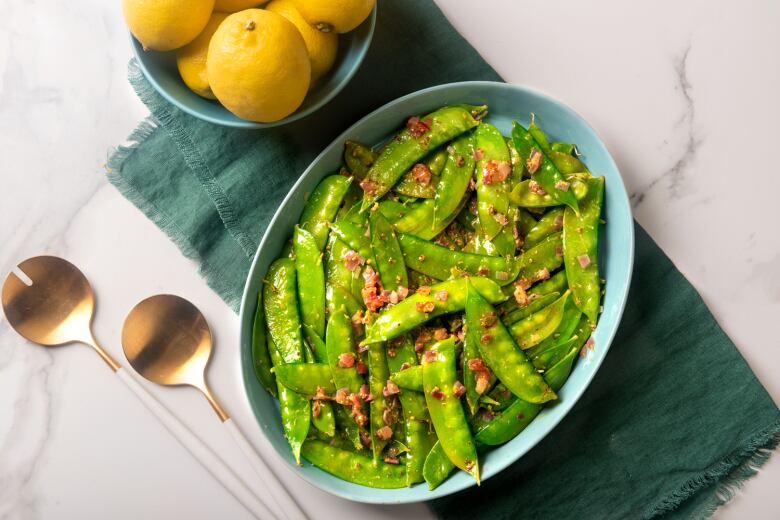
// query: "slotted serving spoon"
[[57, 308]]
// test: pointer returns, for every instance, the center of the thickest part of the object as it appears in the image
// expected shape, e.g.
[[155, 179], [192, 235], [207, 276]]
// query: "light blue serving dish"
[[506, 103], [160, 69]]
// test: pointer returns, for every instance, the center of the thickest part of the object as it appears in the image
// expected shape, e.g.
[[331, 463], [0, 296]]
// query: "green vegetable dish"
[[432, 299]]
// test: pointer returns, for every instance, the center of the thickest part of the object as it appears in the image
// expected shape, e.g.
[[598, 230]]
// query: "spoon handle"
[[205, 455], [282, 497]]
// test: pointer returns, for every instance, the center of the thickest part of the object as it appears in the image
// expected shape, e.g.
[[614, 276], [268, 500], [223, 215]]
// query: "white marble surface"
[[684, 93]]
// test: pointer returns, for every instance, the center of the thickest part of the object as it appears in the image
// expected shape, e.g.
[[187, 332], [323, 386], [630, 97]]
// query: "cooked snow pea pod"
[[525, 221], [551, 222], [354, 467], [306, 378], [344, 299], [455, 178], [322, 206], [511, 421], [543, 170], [261, 358], [547, 254], [401, 358], [342, 356], [551, 356], [442, 263], [538, 134], [417, 279], [566, 163], [311, 280], [387, 252], [413, 143], [322, 415], [409, 379], [346, 424], [534, 305], [445, 409], [475, 381], [437, 466], [532, 330], [523, 196], [492, 172], [509, 363], [559, 372], [393, 210], [281, 310], [295, 409], [442, 298], [337, 274], [356, 237], [378, 375], [580, 250], [518, 168], [417, 221], [566, 148], [411, 185], [557, 283], [323, 418], [358, 158], [499, 398], [549, 351]]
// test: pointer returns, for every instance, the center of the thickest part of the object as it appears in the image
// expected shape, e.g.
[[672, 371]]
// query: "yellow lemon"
[[191, 59], [322, 46], [231, 6], [164, 25], [335, 15], [258, 66]]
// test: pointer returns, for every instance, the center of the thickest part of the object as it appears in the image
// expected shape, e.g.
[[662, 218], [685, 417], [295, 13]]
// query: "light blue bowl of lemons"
[[505, 104], [161, 71]]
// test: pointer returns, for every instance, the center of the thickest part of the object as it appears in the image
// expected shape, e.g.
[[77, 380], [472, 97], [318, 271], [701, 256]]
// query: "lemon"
[[322, 47], [231, 6], [164, 25], [258, 66], [335, 15], [191, 59]]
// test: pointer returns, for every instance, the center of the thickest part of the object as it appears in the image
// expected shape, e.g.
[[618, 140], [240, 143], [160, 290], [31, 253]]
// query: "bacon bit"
[[391, 460], [483, 270], [361, 367], [476, 364], [502, 275], [384, 433], [558, 250], [404, 366], [460, 335], [589, 345], [495, 171], [534, 161], [473, 204], [388, 417], [342, 396], [364, 392], [426, 307], [424, 290], [535, 187], [352, 260], [390, 389], [501, 219], [316, 408], [460, 160], [441, 295], [486, 338], [558, 223], [482, 380], [362, 348], [402, 291], [372, 292], [562, 185], [520, 416], [430, 356], [320, 395], [441, 334], [357, 318], [541, 274], [391, 350], [584, 261], [491, 210], [422, 174], [487, 416], [472, 186], [458, 389], [417, 127], [369, 187], [346, 360], [478, 153], [424, 337], [488, 319], [436, 393], [521, 297]]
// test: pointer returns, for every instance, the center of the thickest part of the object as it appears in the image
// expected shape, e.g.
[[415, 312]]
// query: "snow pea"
[[550, 351], [470, 351], [339, 340], [417, 221], [522, 195], [345, 300], [518, 168], [322, 206], [445, 409], [354, 467], [580, 250], [311, 280], [547, 174], [413, 143], [492, 170], [295, 409], [337, 275], [546, 254], [455, 179], [306, 378], [551, 222], [356, 237], [437, 466], [281, 310], [387, 252], [566, 148], [393, 210], [378, 374], [498, 399], [532, 330], [566, 163], [508, 424], [523, 312], [358, 158], [261, 359], [442, 263], [557, 283], [559, 373], [409, 379], [444, 298], [410, 186], [501, 354], [322, 415]]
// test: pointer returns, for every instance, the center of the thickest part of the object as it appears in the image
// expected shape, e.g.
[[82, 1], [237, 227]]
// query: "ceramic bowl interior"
[[160, 69], [506, 103]]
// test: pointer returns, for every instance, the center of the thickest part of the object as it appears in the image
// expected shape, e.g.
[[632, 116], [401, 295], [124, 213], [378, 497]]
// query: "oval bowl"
[[506, 103], [161, 71]]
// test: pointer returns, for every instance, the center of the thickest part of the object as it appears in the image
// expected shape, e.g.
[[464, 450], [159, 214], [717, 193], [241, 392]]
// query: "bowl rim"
[[247, 300], [135, 45]]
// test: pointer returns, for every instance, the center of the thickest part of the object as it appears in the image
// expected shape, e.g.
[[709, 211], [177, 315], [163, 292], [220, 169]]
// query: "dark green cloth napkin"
[[674, 419]]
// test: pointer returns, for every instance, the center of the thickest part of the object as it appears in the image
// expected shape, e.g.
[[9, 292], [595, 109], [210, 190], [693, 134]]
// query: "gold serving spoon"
[[51, 303], [166, 339]]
